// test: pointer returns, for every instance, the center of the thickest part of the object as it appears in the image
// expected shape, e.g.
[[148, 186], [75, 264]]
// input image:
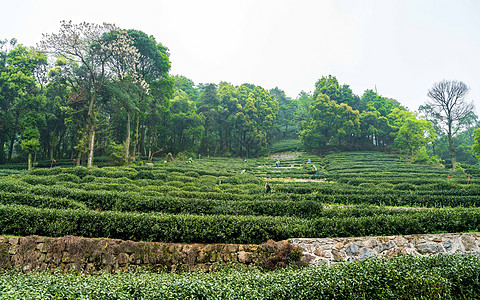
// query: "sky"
[[399, 48]]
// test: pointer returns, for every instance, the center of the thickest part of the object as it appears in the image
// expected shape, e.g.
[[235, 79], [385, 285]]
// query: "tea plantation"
[[224, 200]]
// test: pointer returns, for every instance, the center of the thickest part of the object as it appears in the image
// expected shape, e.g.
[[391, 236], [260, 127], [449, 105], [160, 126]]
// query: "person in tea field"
[[314, 170], [268, 190], [277, 163]]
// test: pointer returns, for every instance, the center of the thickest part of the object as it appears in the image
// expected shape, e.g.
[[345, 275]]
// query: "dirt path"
[[285, 155], [288, 179]]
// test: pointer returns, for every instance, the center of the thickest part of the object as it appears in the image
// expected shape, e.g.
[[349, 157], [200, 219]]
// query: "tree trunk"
[[91, 143], [450, 144], [127, 140], [51, 146], [136, 135], [79, 158], [30, 166], [10, 148], [141, 142], [2, 149], [452, 152]]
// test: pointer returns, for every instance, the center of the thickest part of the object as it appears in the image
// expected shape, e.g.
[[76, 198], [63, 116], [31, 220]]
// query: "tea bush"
[[442, 277]]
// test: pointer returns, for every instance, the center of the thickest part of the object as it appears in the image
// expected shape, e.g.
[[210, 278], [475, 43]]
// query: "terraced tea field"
[[217, 200], [224, 200]]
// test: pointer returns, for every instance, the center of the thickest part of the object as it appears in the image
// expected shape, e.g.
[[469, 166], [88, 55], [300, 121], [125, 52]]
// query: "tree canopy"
[[99, 88]]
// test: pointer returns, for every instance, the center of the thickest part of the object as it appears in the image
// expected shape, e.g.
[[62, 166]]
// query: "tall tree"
[[476, 143], [93, 60], [450, 108], [328, 86], [414, 134], [332, 124], [208, 107], [286, 110], [21, 100], [154, 65], [302, 114]]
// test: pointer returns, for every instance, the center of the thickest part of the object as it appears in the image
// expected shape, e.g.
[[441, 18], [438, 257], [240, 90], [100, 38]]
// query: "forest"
[[100, 91]]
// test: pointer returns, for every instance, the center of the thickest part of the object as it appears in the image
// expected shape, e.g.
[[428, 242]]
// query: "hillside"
[[224, 200]]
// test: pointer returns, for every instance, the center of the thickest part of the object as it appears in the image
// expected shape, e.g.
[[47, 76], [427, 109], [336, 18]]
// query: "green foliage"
[[414, 134], [285, 146], [476, 145], [331, 123], [30, 139], [116, 153], [441, 277], [422, 157]]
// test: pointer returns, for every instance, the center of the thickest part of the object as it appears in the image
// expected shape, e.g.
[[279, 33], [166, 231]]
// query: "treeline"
[[97, 89]]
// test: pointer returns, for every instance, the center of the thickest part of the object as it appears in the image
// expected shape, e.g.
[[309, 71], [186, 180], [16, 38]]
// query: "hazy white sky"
[[401, 47]]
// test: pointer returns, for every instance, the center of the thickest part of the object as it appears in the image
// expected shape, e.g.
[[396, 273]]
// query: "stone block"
[[232, 248], [351, 249], [66, 257], [13, 240], [366, 253], [469, 243], [327, 254], [13, 249], [307, 257], [41, 247], [385, 246], [40, 239], [400, 241], [203, 257], [430, 248], [122, 258], [244, 257], [337, 255], [447, 245], [213, 256]]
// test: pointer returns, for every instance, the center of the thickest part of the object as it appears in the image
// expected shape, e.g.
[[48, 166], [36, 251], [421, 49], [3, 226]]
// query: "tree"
[[286, 110], [476, 145], [21, 105], [185, 125], [93, 56], [154, 65], [414, 134], [331, 124], [208, 107], [328, 86], [450, 109], [302, 114]]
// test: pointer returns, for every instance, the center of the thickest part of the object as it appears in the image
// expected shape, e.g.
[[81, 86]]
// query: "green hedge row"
[[127, 201], [22, 220], [39, 201], [169, 198], [442, 277]]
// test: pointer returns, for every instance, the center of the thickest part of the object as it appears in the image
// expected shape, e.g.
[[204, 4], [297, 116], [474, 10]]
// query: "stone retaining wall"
[[110, 255], [325, 250]]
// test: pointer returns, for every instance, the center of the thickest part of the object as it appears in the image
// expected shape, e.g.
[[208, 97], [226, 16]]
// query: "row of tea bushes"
[[40, 201], [442, 277], [347, 164], [23, 220], [156, 195]]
